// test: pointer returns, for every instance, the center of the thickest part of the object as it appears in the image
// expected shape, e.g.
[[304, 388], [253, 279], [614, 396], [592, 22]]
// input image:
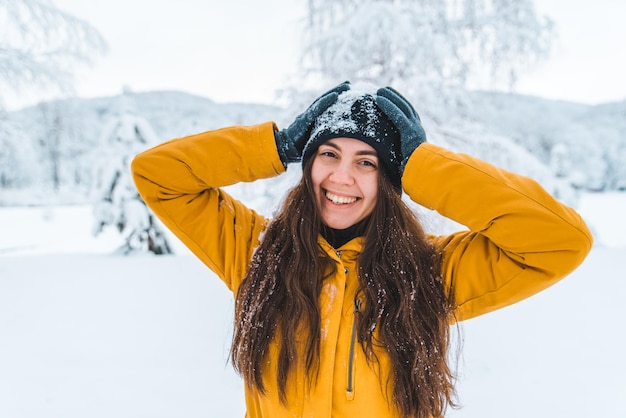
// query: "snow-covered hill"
[[55, 145], [594, 137]]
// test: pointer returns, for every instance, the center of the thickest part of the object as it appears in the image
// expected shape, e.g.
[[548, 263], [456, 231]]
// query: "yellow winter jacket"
[[519, 241]]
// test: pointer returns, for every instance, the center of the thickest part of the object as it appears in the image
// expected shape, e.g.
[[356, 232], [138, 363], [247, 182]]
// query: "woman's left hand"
[[405, 118]]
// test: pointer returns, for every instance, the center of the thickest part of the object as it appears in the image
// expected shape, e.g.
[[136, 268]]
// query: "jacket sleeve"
[[520, 240], [180, 181]]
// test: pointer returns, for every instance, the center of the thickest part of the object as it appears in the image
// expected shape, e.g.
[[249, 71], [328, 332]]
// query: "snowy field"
[[88, 334]]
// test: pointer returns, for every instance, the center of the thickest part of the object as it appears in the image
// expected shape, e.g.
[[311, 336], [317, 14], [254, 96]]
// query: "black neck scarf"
[[338, 237]]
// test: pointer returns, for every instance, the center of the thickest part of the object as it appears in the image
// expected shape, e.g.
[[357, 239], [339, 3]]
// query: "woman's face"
[[345, 179]]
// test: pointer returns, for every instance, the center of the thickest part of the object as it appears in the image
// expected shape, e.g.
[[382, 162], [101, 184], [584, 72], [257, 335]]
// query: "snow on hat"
[[356, 115]]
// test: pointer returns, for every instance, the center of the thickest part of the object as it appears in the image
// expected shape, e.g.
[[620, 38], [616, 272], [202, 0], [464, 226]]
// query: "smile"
[[340, 200]]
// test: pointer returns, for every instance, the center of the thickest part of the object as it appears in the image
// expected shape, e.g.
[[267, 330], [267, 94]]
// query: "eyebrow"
[[372, 153]]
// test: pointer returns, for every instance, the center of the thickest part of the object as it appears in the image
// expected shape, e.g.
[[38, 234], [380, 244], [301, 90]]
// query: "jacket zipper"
[[350, 386]]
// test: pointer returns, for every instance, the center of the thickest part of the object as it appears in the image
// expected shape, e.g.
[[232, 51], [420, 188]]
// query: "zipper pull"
[[353, 338]]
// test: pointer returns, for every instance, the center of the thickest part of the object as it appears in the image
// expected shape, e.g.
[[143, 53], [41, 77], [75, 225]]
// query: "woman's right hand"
[[291, 141]]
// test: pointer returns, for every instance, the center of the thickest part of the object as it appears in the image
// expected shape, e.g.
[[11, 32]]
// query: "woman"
[[343, 303]]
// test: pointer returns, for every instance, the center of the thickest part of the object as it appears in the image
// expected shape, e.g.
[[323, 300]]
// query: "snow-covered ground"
[[84, 333]]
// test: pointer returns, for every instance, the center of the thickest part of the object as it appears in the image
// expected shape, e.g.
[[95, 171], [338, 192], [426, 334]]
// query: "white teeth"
[[340, 200]]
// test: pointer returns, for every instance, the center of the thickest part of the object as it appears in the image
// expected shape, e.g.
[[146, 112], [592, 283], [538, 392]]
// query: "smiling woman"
[[343, 303]]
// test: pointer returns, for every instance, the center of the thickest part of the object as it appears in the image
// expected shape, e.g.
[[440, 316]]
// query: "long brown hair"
[[405, 309]]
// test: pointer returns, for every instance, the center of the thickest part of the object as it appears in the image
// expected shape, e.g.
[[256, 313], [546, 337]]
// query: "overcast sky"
[[244, 50]]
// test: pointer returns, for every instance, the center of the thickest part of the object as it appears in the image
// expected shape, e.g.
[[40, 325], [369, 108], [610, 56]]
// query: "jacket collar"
[[355, 244]]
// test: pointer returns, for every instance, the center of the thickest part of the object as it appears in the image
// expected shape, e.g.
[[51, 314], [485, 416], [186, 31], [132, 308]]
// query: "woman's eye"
[[327, 154], [367, 163]]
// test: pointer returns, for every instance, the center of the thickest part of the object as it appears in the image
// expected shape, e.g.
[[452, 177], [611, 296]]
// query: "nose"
[[342, 174]]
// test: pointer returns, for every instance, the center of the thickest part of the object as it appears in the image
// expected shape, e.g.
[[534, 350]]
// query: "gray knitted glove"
[[291, 141], [405, 118]]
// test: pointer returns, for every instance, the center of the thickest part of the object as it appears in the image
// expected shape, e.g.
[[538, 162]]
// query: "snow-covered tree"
[[426, 48], [17, 158], [51, 142], [61, 145], [618, 170], [565, 179], [560, 160], [40, 45], [118, 203]]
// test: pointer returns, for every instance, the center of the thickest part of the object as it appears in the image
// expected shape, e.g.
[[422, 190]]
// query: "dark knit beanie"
[[357, 116]]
